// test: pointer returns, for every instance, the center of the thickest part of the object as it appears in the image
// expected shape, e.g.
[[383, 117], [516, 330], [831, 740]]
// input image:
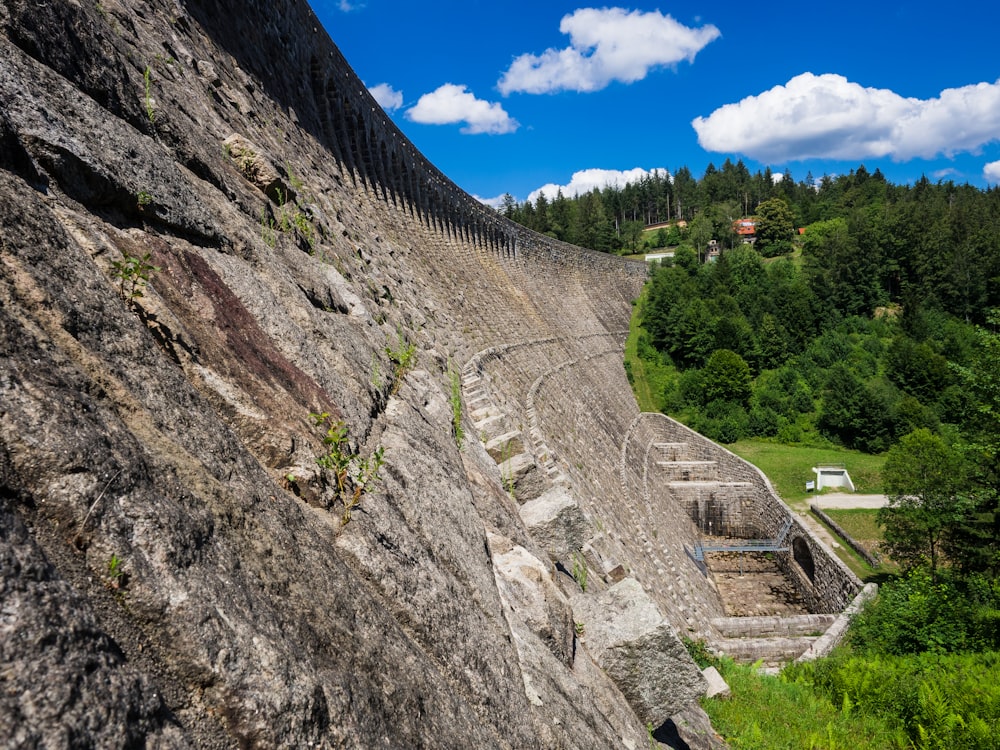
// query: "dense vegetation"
[[849, 331], [928, 701]]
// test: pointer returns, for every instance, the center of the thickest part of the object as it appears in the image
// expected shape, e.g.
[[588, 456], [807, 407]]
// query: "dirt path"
[[818, 529], [848, 500]]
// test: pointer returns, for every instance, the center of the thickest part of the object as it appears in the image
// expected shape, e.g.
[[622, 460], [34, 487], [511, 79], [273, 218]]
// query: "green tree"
[[700, 232], [923, 477], [508, 206], [775, 224], [542, 215], [841, 274], [853, 413], [976, 540], [727, 378], [772, 341], [562, 212], [690, 333], [632, 233], [917, 369]]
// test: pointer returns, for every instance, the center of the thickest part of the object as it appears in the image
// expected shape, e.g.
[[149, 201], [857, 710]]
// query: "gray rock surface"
[[556, 522], [717, 685], [630, 639]]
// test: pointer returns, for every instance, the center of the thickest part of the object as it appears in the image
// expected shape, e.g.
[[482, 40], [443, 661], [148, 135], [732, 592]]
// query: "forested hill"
[[934, 242], [849, 320]]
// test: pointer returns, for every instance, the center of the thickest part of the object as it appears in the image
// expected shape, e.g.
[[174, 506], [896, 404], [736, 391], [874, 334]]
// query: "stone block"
[[717, 685], [522, 476], [556, 522], [691, 729], [258, 167], [633, 643], [603, 554], [504, 446], [526, 585]]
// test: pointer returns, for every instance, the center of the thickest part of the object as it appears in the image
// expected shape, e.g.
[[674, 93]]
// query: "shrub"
[[916, 614], [936, 700]]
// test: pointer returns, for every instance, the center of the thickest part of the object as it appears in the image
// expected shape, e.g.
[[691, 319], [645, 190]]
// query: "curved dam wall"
[[171, 546]]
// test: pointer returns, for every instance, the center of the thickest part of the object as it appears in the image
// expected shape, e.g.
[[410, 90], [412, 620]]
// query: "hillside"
[[210, 233]]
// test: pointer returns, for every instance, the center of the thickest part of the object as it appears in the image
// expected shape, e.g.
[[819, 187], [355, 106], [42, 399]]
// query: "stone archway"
[[803, 556]]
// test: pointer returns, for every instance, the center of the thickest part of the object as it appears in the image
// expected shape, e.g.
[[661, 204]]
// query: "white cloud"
[[388, 98], [992, 172], [587, 179], [829, 117], [941, 174], [496, 203], [606, 44], [450, 104]]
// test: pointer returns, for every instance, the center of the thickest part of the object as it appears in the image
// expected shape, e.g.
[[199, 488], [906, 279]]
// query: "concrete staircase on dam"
[[720, 498], [702, 492]]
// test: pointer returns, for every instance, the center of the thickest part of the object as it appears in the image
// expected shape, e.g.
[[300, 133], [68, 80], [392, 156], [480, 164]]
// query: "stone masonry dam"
[[176, 570]]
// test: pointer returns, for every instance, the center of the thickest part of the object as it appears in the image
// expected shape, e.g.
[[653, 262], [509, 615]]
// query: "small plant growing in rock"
[[455, 397], [376, 374], [580, 571], [267, 228], [292, 219], [506, 472], [116, 573], [147, 76], [294, 180], [305, 230], [403, 358], [143, 200], [364, 473], [579, 627], [133, 275], [353, 475]]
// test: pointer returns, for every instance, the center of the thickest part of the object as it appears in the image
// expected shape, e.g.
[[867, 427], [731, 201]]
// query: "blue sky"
[[520, 96]]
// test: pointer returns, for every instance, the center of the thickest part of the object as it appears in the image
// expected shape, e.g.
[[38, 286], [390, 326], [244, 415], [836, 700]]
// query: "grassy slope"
[[767, 713], [789, 467], [648, 379]]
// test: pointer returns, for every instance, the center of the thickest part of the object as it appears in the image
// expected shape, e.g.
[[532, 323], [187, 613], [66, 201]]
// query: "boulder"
[[717, 685], [629, 638], [526, 584], [556, 522]]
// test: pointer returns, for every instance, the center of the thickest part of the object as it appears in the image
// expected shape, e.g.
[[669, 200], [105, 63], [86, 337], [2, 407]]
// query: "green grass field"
[[789, 467], [648, 378], [860, 523], [768, 713]]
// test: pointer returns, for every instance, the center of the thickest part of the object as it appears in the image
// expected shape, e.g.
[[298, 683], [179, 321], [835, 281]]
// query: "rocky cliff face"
[[209, 233]]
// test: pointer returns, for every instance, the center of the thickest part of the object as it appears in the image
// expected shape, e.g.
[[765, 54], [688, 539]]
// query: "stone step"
[[702, 484], [504, 446], [773, 626], [687, 471], [673, 451], [478, 401], [485, 412], [487, 425], [776, 650]]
